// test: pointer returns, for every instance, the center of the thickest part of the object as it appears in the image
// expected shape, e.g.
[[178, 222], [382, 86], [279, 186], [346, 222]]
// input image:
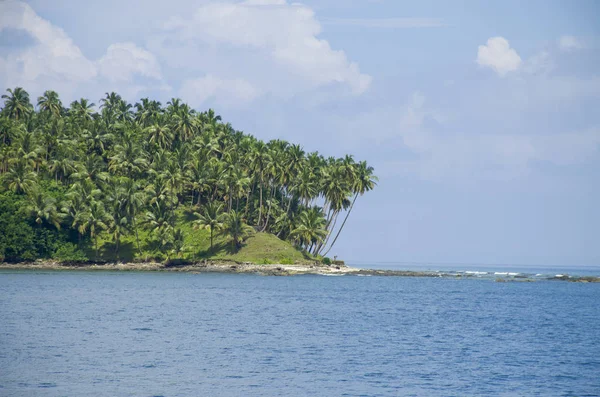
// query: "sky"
[[480, 118]]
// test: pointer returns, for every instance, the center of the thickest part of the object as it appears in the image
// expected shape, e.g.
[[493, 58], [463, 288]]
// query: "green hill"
[[257, 248]]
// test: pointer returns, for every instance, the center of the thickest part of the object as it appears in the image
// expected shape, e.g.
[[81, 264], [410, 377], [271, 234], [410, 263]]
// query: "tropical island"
[[147, 183]]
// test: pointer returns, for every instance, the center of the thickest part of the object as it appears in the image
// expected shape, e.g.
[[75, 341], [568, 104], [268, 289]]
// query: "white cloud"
[[54, 61], [123, 60], [498, 55], [272, 45], [234, 91], [569, 43], [386, 23], [54, 57], [432, 146]]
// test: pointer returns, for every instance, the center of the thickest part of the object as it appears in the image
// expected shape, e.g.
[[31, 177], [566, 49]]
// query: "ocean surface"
[[168, 334]]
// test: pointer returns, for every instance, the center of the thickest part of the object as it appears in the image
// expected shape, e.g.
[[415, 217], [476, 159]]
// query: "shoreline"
[[228, 267]]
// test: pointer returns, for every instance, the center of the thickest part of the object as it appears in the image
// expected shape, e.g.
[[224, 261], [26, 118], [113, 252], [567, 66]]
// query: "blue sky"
[[480, 118]]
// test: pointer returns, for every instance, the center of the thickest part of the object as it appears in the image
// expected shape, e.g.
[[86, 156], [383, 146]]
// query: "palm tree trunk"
[[267, 218], [96, 246], [248, 203], [289, 205], [324, 244], [211, 238], [260, 206], [343, 223], [137, 238]]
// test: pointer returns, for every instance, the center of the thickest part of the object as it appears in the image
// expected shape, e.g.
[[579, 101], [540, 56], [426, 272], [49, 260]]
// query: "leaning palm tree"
[[234, 227], [363, 182], [211, 218]]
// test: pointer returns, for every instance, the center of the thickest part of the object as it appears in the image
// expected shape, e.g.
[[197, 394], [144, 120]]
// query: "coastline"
[[267, 270]]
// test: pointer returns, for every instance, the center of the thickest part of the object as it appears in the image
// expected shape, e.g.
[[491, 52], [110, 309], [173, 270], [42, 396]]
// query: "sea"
[[87, 333]]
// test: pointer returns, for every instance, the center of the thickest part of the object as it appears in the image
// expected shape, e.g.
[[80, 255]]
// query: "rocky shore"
[[251, 268]]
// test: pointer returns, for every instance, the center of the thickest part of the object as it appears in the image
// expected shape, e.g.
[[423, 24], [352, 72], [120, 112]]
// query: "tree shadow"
[[189, 214], [219, 247], [126, 252]]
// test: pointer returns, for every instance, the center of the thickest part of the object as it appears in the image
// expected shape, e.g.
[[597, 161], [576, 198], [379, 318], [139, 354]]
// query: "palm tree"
[[364, 182], [184, 124], [211, 218], [159, 134], [95, 219], [128, 158], [16, 103], [160, 220], [310, 229], [234, 227], [119, 219], [260, 159], [75, 209], [133, 201], [111, 102], [82, 110], [92, 169], [42, 207], [19, 178], [50, 103]]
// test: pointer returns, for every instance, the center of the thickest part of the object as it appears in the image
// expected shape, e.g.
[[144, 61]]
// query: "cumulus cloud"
[[273, 45], [123, 60], [497, 55], [55, 61], [569, 43], [53, 57], [227, 91]]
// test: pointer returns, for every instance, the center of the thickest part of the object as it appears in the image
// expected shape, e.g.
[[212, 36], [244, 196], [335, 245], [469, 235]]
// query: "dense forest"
[[74, 178]]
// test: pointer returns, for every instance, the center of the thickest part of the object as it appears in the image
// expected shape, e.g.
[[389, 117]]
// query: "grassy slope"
[[258, 248]]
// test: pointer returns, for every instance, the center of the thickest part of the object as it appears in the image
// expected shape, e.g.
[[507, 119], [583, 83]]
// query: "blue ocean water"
[[168, 334]]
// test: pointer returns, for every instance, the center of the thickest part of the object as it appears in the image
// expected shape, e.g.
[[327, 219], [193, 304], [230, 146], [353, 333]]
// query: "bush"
[[326, 261], [266, 262], [286, 261], [69, 252]]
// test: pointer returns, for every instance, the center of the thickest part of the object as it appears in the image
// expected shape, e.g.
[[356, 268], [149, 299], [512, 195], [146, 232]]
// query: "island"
[[143, 182]]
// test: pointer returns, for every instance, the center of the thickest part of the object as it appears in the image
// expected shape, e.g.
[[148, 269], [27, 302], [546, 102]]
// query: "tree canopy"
[[115, 169]]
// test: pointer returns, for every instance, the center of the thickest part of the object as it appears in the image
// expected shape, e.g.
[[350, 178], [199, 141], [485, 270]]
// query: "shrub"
[[326, 261], [266, 262], [286, 261], [69, 252]]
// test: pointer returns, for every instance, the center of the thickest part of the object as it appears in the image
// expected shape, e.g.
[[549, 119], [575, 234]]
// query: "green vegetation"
[[147, 182]]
